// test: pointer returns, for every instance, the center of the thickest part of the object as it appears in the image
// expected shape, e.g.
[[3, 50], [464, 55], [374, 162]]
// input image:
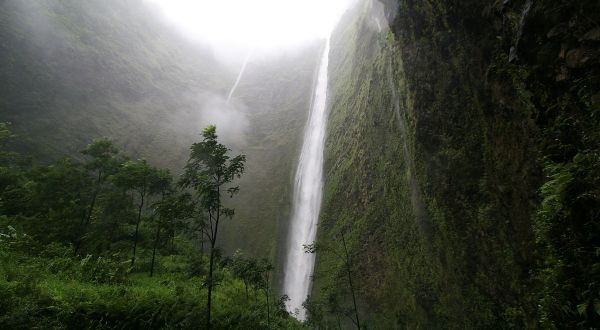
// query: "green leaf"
[[581, 308], [579, 158]]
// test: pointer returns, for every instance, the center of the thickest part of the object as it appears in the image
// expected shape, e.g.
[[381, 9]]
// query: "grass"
[[36, 296]]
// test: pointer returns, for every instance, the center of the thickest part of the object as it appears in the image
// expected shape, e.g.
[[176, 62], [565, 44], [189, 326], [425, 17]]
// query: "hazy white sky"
[[260, 24]]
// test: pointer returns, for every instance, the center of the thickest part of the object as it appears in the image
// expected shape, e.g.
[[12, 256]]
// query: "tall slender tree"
[[265, 268], [139, 177], [208, 172], [161, 186], [103, 160]]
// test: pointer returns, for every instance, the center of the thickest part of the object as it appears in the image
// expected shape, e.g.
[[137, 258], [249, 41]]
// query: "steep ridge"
[[77, 71], [463, 185]]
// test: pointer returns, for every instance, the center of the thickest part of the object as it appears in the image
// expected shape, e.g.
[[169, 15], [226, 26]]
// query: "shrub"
[[104, 270], [12, 240]]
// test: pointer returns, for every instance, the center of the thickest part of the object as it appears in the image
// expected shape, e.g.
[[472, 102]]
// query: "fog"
[[229, 117], [152, 73], [234, 27], [243, 33]]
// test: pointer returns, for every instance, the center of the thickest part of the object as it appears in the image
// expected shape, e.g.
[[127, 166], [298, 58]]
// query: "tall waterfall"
[[308, 190]]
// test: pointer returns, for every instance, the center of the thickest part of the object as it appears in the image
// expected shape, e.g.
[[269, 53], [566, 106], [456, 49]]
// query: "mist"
[[267, 26], [230, 118]]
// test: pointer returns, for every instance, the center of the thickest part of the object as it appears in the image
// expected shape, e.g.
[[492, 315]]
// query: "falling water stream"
[[239, 77], [308, 190]]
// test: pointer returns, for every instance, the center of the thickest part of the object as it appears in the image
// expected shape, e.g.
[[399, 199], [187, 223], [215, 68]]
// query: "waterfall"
[[308, 190], [239, 77]]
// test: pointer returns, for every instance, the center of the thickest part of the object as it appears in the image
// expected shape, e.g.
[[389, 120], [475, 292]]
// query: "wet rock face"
[[492, 92]]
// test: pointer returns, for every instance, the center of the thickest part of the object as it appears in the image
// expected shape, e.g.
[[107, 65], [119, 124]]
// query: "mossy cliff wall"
[[462, 166]]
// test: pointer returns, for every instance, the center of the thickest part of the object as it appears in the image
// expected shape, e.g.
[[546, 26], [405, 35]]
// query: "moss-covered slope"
[[460, 166]]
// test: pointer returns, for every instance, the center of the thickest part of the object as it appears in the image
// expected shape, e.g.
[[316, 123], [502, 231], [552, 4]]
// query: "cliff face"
[[461, 166]]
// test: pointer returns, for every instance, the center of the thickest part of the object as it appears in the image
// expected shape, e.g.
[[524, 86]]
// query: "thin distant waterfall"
[[239, 77], [308, 190]]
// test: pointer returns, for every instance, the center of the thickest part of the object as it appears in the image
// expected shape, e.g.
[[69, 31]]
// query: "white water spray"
[[308, 190], [239, 77]]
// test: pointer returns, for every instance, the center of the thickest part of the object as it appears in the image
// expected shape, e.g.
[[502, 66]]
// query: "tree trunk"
[[172, 241], [213, 242], [154, 250], [268, 306], [137, 228], [85, 220], [201, 239], [350, 282], [210, 280], [115, 225]]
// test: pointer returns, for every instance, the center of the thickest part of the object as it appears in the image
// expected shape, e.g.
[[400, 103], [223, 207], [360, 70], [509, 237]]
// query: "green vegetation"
[[462, 167], [462, 170], [208, 173], [109, 243], [74, 71]]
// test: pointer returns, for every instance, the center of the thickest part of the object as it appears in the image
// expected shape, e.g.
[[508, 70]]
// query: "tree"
[[264, 268], [7, 158], [170, 208], [57, 197], [103, 160], [208, 171], [345, 256], [14, 187], [255, 272], [242, 268], [162, 186], [115, 208], [140, 178]]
